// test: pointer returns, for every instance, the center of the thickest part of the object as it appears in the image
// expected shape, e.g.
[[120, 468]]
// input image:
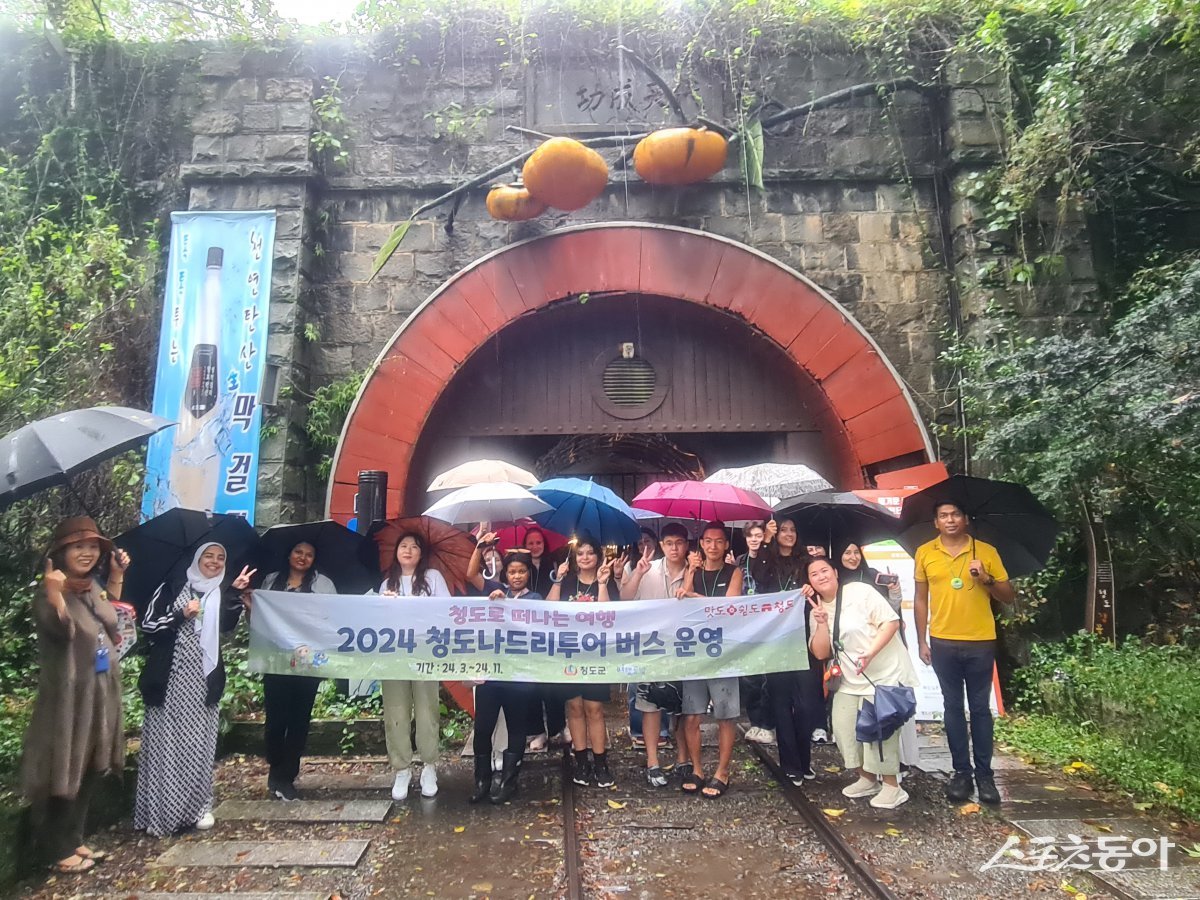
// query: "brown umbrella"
[[447, 549]]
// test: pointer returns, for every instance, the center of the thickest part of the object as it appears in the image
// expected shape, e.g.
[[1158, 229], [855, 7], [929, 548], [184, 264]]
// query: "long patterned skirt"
[[179, 747]]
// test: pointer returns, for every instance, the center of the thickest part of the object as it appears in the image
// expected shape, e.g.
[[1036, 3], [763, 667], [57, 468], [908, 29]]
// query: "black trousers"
[[58, 822], [516, 699], [547, 713], [756, 701], [797, 712], [287, 703]]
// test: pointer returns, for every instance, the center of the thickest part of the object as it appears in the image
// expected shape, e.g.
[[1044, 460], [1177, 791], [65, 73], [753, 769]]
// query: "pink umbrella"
[[514, 536], [702, 500]]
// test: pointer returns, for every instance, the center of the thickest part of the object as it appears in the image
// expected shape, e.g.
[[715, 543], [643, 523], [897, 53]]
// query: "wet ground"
[[635, 841]]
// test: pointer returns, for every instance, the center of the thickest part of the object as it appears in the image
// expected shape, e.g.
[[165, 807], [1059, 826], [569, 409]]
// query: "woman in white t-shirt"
[[410, 576], [869, 652]]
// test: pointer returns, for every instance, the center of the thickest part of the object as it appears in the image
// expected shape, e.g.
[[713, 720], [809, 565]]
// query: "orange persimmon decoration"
[[513, 203], [679, 155], [565, 174]]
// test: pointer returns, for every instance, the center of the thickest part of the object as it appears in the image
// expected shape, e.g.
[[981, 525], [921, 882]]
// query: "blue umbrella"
[[878, 720], [584, 507]]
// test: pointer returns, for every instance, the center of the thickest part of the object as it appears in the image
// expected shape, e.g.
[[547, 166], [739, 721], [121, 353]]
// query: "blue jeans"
[[968, 664]]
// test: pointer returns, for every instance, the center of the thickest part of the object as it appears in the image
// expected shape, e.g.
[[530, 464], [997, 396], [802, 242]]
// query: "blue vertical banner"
[[211, 358]]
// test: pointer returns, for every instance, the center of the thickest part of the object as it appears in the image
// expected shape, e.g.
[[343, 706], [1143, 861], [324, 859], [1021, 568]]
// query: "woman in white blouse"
[[410, 576], [869, 652]]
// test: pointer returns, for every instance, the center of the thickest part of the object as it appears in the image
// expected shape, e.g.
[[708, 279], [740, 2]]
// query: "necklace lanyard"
[[708, 592], [957, 581]]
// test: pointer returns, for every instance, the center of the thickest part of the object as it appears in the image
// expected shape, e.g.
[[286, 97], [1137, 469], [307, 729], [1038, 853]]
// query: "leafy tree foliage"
[[1113, 419]]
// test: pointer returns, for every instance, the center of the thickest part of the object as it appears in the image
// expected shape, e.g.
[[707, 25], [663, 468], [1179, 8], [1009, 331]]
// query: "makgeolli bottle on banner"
[[196, 460]]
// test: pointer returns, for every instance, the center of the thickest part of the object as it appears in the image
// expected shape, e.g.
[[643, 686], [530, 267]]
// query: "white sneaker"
[[428, 781], [400, 785], [768, 735], [820, 736], [889, 797], [753, 733], [205, 822], [864, 787]]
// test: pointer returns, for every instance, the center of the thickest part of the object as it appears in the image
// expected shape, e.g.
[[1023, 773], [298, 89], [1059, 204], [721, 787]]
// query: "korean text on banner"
[[434, 639], [211, 358]]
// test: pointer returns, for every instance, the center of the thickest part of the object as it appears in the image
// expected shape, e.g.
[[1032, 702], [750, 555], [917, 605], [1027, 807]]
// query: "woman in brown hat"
[[77, 731]]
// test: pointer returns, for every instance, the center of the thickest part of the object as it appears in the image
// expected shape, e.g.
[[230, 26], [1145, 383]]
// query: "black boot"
[[483, 777], [507, 789]]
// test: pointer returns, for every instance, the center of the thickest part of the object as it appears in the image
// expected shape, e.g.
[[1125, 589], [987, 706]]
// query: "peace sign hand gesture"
[[643, 564], [243, 580], [618, 567]]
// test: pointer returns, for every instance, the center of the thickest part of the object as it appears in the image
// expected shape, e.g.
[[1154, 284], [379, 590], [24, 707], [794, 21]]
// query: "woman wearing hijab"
[[76, 733], [547, 718], [288, 699], [181, 685], [854, 569], [404, 701]]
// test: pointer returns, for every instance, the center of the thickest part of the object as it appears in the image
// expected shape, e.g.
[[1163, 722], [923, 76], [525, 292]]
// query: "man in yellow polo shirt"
[[957, 578]]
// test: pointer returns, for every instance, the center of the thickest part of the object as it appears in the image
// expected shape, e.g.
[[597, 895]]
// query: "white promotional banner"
[[462, 638]]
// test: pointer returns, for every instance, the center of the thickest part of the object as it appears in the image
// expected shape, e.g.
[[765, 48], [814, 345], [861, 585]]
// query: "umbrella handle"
[[87, 509]]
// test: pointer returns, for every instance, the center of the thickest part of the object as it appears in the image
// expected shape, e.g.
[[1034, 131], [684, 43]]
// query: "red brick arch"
[[870, 418]]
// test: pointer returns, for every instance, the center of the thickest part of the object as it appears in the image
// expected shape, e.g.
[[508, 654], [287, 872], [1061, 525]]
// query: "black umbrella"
[[162, 548], [337, 553], [48, 452], [1004, 514], [838, 518]]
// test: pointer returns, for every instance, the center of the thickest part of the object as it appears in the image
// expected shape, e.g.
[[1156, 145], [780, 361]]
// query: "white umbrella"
[[773, 479], [488, 502], [482, 471]]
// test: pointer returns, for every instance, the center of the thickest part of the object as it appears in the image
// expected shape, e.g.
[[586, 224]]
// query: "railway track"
[[856, 867], [841, 854]]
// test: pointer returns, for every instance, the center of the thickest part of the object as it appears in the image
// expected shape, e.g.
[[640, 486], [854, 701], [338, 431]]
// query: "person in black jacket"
[[181, 685]]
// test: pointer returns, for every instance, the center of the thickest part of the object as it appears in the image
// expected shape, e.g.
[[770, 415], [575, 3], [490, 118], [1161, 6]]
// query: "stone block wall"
[[251, 150], [871, 202]]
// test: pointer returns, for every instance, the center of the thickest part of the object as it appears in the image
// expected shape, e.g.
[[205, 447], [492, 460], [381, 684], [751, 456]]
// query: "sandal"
[[93, 855], [717, 786], [66, 867], [691, 784]]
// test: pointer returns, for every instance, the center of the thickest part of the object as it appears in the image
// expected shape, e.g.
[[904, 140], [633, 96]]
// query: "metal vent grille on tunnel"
[[629, 382]]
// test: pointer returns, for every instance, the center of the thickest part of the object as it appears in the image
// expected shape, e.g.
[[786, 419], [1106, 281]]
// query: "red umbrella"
[[514, 536], [448, 549], [702, 500]]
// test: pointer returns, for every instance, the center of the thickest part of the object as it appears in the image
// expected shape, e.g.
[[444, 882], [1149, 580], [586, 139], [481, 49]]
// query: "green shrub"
[[1131, 712]]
